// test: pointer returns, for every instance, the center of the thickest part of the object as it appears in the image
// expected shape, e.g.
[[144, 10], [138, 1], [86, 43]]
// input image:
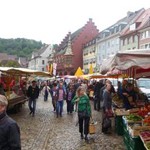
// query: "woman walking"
[[46, 90], [84, 111], [69, 97], [54, 96], [61, 94]]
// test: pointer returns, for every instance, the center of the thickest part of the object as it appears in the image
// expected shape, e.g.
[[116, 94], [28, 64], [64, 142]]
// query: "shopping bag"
[[106, 124], [92, 127], [76, 119], [109, 113]]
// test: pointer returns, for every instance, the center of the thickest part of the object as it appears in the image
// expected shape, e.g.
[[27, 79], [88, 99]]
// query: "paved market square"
[[46, 132]]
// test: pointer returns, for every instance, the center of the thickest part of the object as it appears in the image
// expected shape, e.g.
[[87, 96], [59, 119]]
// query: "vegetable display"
[[133, 117]]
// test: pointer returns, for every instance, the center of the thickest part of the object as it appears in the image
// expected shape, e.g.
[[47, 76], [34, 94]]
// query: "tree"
[[19, 46], [9, 63]]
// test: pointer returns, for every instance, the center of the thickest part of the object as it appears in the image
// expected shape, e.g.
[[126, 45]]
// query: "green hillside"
[[20, 46]]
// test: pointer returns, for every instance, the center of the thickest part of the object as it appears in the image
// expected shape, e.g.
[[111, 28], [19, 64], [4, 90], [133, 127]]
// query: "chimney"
[[129, 13], [90, 19]]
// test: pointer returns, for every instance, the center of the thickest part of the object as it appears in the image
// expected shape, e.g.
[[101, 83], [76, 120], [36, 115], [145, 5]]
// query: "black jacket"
[[9, 133], [33, 93]]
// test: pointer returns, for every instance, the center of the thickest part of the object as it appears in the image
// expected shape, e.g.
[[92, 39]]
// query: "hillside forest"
[[21, 47]]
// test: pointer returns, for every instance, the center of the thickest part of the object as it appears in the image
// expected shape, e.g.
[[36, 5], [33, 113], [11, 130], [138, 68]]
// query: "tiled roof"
[[62, 47], [147, 24], [12, 57], [5, 56], [146, 21], [141, 21], [124, 22], [40, 51]]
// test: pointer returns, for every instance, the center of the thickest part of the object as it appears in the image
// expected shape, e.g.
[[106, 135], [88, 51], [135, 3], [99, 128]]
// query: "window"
[[43, 62], [130, 40], [142, 46], [142, 35], [146, 34], [117, 41], [42, 69], [94, 49], [135, 38], [108, 44], [125, 41], [146, 46], [122, 43]]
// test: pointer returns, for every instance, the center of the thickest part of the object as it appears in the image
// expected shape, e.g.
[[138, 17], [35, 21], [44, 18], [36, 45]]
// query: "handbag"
[[83, 114], [106, 124]]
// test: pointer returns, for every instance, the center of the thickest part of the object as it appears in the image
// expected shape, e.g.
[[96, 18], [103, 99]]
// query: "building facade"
[[68, 63], [131, 37], [108, 41], [39, 59], [89, 56], [144, 42]]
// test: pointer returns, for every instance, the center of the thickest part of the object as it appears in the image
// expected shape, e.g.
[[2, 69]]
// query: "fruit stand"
[[134, 126], [13, 84]]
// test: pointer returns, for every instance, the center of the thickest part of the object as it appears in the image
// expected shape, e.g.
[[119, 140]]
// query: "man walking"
[[33, 94], [9, 130]]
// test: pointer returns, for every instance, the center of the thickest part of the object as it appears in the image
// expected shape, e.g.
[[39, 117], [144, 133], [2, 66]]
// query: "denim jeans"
[[59, 108], [45, 97], [69, 107], [84, 125], [32, 105]]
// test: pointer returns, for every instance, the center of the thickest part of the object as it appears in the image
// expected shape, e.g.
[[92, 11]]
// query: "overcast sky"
[[50, 20]]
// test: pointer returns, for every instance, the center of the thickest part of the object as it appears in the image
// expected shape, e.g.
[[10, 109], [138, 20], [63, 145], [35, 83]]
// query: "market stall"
[[132, 122], [134, 63], [13, 84]]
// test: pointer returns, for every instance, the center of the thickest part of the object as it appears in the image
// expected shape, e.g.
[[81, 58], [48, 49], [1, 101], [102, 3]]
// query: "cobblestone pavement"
[[46, 132]]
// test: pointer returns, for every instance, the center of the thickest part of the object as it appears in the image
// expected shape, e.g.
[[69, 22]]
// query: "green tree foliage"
[[20, 46], [55, 46], [9, 63]]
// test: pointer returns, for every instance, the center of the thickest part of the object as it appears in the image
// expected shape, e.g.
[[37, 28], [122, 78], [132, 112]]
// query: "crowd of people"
[[77, 95]]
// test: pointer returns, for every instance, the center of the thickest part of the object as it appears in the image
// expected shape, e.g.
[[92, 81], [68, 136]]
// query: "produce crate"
[[135, 130], [119, 125], [132, 143], [121, 112]]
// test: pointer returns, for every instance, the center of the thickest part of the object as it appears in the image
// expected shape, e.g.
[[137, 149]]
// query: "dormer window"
[[132, 27]]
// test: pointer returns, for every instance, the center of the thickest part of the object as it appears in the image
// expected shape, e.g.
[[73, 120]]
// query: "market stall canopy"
[[133, 58], [23, 71], [79, 72], [107, 65], [69, 77], [86, 76], [124, 60]]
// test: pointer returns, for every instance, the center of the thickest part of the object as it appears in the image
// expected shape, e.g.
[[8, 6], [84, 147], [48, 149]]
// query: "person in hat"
[[9, 130], [33, 94]]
